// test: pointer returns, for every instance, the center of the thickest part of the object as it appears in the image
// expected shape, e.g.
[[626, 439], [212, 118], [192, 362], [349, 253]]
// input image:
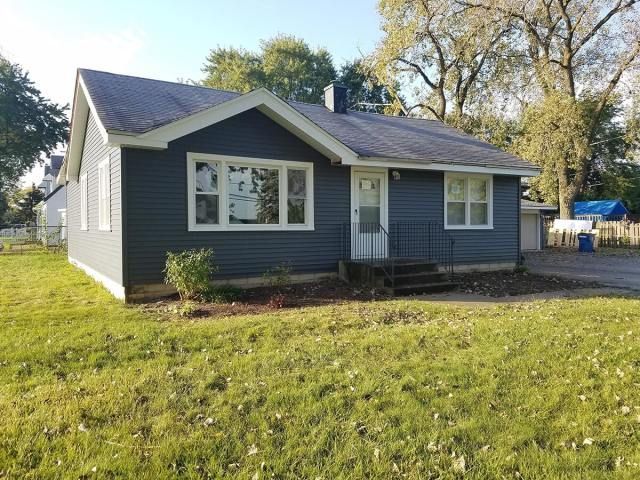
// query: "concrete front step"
[[418, 289], [409, 268], [420, 278]]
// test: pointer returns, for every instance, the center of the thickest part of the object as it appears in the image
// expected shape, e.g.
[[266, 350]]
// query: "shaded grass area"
[[90, 388]]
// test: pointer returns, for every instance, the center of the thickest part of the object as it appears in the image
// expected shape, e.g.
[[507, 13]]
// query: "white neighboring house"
[[52, 210], [531, 227]]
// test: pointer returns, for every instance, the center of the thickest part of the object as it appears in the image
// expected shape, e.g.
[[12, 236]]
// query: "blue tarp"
[[600, 207]]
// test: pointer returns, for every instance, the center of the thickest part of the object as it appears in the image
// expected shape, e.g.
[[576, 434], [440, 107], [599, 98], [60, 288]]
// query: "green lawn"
[[90, 388]]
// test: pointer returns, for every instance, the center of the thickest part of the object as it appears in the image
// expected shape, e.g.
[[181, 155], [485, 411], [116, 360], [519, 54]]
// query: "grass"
[[90, 388]]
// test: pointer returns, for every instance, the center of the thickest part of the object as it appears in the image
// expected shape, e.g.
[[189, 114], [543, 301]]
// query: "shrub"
[[278, 277], [222, 294], [190, 271]]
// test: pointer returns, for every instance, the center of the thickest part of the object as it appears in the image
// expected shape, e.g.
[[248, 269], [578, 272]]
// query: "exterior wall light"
[[396, 175]]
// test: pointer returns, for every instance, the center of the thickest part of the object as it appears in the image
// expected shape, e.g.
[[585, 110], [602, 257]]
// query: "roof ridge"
[[158, 80], [371, 113]]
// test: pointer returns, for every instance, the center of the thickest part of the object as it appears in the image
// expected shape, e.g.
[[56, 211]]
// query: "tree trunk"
[[566, 201]]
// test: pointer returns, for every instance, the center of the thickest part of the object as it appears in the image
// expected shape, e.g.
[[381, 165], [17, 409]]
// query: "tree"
[[285, 65], [30, 125], [365, 93], [577, 53], [23, 205], [441, 49]]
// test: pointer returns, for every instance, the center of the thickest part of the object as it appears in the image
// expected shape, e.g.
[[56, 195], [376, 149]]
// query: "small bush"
[[222, 294], [278, 277], [520, 269], [190, 271], [187, 309]]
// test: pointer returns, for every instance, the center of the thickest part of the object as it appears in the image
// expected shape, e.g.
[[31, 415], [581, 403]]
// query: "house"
[[155, 166], [531, 224], [52, 210], [600, 210], [51, 170]]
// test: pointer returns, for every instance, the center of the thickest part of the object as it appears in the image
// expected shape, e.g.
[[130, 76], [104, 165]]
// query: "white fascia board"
[[82, 105], [448, 167], [103, 131], [537, 209], [119, 140], [269, 104]]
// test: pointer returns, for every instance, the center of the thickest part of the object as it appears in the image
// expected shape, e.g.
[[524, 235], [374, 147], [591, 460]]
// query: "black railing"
[[423, 240], [369, 243], [372, 243]]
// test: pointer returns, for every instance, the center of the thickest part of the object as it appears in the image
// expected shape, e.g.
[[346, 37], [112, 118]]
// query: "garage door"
[[529, 231]]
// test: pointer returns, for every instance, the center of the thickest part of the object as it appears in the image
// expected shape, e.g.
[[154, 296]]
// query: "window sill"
[[250, 228], [104, 229], [468, 227]]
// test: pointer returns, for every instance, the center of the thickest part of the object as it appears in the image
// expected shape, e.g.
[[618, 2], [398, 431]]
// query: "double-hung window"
[[84, 196], [468, 201], [104, 195], [238, 193]]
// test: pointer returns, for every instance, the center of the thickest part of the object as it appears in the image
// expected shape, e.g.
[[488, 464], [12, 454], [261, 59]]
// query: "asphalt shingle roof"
[[137, 105]]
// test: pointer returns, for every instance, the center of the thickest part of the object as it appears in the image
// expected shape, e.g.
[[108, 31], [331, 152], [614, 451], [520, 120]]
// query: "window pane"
[[369, 214], [297, 183], [455, 213], [207, 209], [477, 190], [206, 177], [254, 195], [369, 191], [478, 214], [295, 207], [455, 189]]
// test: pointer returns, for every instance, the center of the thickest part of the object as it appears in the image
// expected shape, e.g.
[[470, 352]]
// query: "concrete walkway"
[[473, 300]]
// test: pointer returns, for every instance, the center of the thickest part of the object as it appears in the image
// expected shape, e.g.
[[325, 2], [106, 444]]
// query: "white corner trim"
[[447, 167], [114, 287]]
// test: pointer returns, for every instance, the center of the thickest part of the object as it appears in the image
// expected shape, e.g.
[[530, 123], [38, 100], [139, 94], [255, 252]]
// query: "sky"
[[164, 39]]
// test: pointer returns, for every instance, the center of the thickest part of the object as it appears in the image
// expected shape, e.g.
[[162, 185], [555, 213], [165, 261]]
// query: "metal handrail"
[[372, 243]]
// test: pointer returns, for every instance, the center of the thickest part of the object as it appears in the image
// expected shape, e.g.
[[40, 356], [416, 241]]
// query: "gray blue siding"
[[156, 207], [157, 204], [419, 196], [100, 250]]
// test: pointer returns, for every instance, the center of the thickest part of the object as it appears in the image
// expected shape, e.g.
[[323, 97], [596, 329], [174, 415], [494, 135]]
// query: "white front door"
[[369, 214]]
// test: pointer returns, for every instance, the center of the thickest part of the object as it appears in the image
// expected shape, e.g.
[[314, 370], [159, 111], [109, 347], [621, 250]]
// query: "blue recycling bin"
[[585, 242]]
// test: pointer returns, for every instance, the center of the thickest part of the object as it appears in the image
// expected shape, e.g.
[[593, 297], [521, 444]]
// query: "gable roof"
[[600, 207], [148, 113]]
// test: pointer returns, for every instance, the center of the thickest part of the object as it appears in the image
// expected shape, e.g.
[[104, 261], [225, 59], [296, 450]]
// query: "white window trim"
[[467, 201], [104, 217], [223, 161], [84, 203]]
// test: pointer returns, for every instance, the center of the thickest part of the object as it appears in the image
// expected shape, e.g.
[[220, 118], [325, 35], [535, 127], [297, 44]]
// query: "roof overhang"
[[549, 208], [267, 103], [158, 139], [440, 166]]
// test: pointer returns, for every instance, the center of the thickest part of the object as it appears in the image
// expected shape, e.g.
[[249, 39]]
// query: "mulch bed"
[[508, 283], [259, 300]]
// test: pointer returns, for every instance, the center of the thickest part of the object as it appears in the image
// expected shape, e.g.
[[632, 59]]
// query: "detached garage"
[[531, 228]]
